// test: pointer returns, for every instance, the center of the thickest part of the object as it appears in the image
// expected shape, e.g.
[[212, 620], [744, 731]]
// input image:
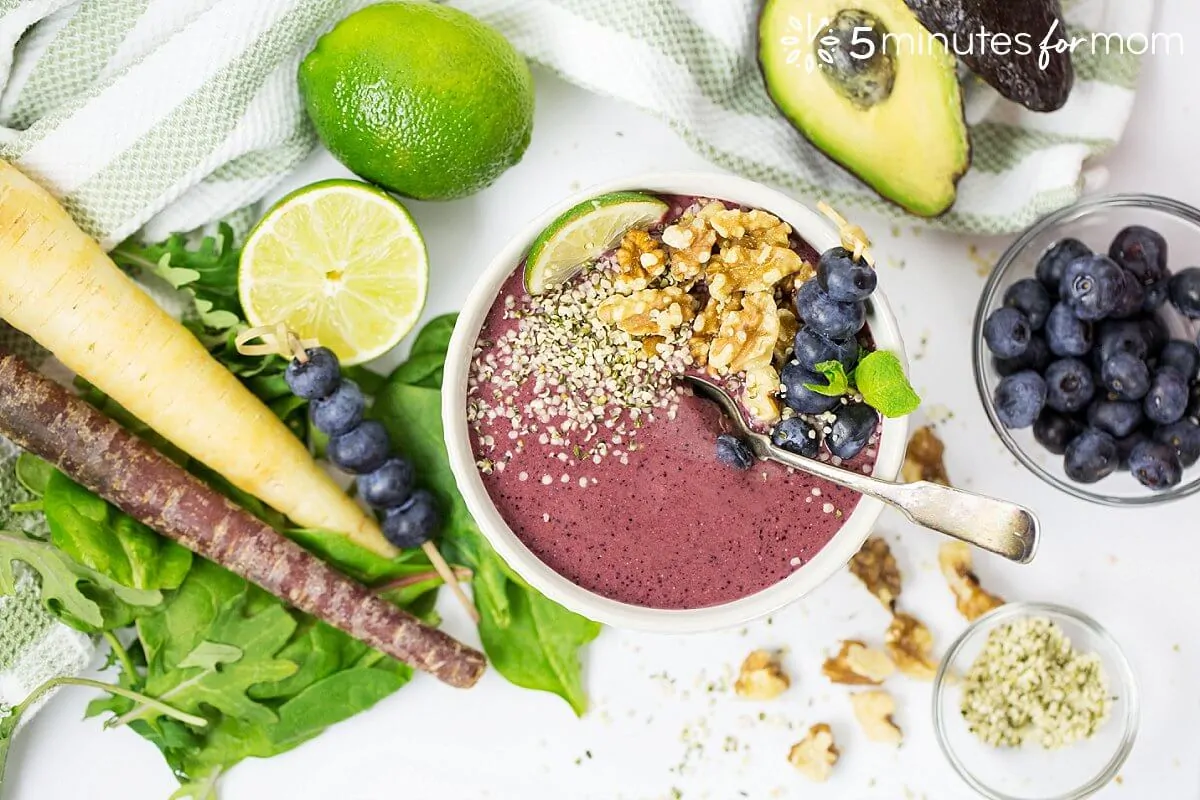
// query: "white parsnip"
[[59, 287]]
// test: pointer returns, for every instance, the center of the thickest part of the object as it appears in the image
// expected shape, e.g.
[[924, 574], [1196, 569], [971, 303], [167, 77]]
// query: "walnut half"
[[954, 559], [858, 665], [910, 644], [924, 460], [875, 566], [815, 754], [761, 677], [874, 710]]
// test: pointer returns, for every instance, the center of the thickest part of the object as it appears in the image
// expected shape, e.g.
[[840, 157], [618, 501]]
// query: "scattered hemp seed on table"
[[1030, 685]]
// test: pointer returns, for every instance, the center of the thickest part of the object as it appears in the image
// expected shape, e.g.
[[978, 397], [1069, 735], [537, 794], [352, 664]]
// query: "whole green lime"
[[422, 99]]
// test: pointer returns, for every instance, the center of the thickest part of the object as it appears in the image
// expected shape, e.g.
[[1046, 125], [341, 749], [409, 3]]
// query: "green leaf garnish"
[[884, 386], [837, 384]]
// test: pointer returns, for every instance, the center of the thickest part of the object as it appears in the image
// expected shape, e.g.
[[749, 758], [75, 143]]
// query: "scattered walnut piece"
[[923, 460], [705, 327], [858, 665], [788, 326], [815, 754], [640, 259], [874, 710], [759, 394], [648, 312], [910, 645], [761, 677], [746, 338], [875, 566], [954, 559], [691, 240]]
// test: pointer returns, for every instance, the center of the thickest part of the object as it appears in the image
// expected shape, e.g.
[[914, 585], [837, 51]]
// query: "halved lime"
[[338, 261], [584, 233]]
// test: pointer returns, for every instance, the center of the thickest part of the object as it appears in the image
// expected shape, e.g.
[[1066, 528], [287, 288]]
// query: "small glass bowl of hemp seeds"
[[1035, 702]]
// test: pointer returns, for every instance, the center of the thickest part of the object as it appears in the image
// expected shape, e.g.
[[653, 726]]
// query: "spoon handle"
[[994, 525]]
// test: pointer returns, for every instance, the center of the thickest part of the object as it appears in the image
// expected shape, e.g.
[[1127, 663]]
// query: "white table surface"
[[655, 727]]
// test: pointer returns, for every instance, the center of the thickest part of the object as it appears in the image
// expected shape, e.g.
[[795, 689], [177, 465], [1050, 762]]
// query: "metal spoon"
[[995, 525]]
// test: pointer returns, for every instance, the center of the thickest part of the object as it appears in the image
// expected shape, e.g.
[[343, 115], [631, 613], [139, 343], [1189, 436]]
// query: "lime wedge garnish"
[[584, 233]]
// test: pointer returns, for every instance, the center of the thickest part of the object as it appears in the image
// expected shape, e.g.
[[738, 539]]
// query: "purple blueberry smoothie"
[[604, 467]]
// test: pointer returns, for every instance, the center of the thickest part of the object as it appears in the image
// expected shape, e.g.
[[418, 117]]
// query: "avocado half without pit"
[[866, 84]]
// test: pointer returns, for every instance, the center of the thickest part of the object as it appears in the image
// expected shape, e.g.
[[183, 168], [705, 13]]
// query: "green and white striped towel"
[[162, 115]]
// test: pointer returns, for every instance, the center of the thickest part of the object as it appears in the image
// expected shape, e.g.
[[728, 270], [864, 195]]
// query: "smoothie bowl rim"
[[810, 226]]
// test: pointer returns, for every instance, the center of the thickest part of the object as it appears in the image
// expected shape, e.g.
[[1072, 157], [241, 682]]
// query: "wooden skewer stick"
[[278, 340], [853, 237]]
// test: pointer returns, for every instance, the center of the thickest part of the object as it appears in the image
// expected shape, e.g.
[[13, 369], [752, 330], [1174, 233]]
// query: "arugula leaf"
[[835, 377], [208, 271], [884, 386], [99, 537], [79, 596], [532, 641]]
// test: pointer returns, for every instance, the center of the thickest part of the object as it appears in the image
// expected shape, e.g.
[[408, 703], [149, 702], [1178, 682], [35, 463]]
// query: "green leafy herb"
[[881, 381], [33, 473], [358, 562], [836, 382]]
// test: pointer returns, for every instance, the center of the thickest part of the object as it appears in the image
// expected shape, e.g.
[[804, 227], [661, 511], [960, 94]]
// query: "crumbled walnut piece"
[[691, 240], [649, 311], [910, 644], [874, 710], [738, 268], [815, 754], [875, 566], [761, 677], [651, 344], [759, 394], [923, 460], [640, 259], [788, 326], [704, 328], [954, 559], [858, 665], [746, 339]]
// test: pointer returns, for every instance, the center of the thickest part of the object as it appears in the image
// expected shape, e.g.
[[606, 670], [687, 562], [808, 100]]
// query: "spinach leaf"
[[79, 596], [99, 537], [434, 337], [358, 562], [33, 473], [532, 641]]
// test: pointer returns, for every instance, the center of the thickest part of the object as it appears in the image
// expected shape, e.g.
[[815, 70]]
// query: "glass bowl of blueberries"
[[1086, 351]]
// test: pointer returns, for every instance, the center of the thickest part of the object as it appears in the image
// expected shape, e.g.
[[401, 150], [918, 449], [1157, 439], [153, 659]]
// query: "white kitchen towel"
[[163, 115]]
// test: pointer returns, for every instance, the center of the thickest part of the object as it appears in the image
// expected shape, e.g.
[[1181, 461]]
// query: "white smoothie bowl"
[[810, 226]]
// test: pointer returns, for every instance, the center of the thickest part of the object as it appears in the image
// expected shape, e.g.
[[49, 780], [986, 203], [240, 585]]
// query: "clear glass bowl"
[[1031, 772], [1094, 222]]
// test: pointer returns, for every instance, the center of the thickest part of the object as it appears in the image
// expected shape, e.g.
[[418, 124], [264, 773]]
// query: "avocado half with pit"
[[865, 82]]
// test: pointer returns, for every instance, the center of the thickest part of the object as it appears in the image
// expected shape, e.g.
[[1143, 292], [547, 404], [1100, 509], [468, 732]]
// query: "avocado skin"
[[1017, 77]]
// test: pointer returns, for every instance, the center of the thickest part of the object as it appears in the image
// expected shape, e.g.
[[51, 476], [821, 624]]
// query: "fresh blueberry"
[[1125, 376], [388, 485], [1118, 418], [1091, 286], [1185, 292], [1130, 297], [1007, 332], [843, 278], [1069, 385], [1090, 456], [1167, 399], [733, 452], [1054, 431], [1156, 465], [412, 523], [1053, 263], [1037, 357], [1142, 252], [316, 378], [1030, 298], [812, 348], [1019, 399], [1156, 335], [796, 435], [360, 449], [1180, 356], [798, 397], [1184, 436], [1120, 336], [340, 411], [1066, 333], [1125, 447], [852, 427], [1193, 409], [829, 317], [1155, 295]]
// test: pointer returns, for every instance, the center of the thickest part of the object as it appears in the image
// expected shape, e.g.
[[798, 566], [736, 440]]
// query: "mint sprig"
[[837, 382], [884, 386]]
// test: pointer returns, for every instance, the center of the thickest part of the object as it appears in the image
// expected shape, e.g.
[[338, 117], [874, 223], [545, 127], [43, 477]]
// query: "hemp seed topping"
[[1030, 684]]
